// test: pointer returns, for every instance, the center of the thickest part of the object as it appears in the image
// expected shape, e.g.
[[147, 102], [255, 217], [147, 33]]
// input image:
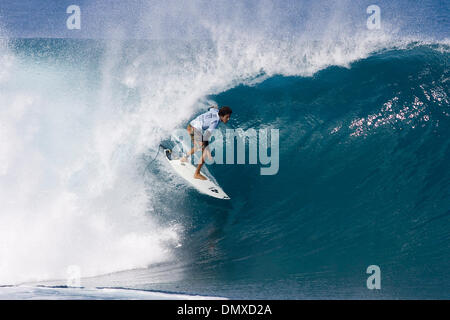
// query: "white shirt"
[[207, 121]]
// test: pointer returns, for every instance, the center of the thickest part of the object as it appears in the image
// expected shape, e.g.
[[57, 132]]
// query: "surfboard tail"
[[168, 153]]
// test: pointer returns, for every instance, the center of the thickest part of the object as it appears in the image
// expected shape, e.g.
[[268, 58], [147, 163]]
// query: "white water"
[[43, 293]]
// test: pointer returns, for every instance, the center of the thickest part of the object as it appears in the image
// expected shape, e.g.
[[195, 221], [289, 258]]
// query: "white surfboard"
[[186, 170]]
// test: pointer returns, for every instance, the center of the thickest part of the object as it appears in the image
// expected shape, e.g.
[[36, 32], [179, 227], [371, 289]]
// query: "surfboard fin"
[[168, 154]]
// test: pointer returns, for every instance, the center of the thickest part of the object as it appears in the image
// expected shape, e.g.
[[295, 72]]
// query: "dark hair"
[[224, 111]]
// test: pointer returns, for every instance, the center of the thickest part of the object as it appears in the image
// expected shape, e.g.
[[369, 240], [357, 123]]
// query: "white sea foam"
[[44, 293]]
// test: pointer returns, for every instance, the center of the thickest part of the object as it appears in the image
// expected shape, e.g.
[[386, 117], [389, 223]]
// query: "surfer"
[[200, 130]]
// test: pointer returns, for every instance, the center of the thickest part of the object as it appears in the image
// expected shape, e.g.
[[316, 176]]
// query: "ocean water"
[[364, 179]]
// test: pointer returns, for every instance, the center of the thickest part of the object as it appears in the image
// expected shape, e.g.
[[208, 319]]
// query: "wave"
[[362, 181], [363, 119]]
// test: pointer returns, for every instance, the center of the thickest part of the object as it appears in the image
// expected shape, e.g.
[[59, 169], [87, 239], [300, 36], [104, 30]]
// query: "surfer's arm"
[[210, 130]]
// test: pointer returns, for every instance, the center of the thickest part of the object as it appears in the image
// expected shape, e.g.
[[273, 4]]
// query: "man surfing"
[[200, 130]]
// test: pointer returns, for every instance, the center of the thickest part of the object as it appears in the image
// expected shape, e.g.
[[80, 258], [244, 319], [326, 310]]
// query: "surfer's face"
[[225, 118]]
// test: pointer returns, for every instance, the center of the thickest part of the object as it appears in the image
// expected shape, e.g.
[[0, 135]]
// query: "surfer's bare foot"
[[183, 159], [199, 176]]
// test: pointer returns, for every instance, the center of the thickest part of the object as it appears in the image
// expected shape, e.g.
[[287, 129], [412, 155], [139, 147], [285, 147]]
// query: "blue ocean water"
[[364, 121], [363, 180]]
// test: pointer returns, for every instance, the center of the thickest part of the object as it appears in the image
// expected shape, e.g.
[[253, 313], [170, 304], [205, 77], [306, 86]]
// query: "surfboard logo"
[[214, 190]]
